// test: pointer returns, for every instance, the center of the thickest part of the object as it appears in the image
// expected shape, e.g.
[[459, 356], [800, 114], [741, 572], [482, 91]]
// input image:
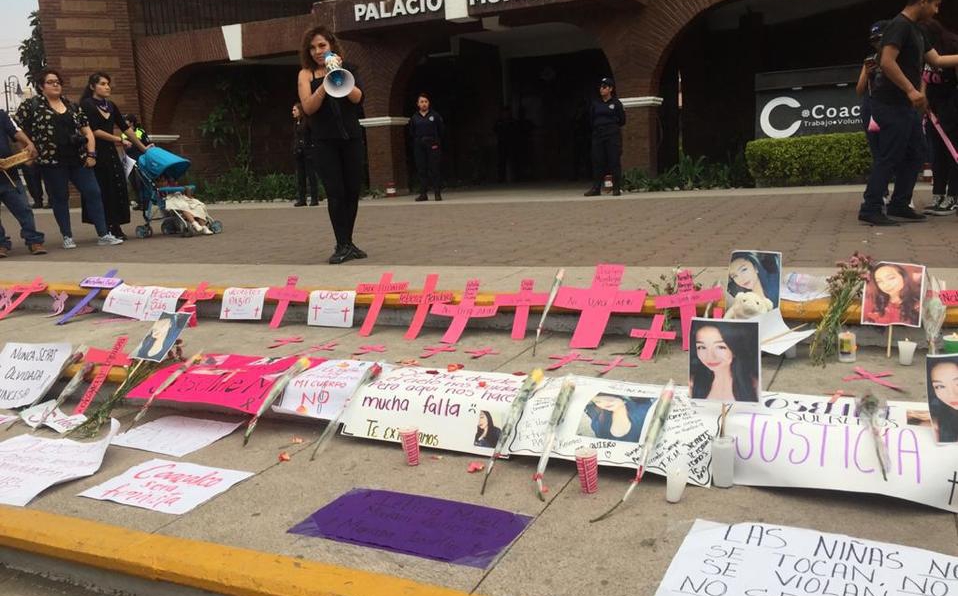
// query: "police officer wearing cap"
[[426, 128], [608, 118]]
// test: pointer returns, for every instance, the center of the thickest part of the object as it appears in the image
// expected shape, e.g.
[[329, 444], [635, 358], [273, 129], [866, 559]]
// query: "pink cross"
[[346, 310], [430, 351], [192, 296], [378, 348], [423, 301], [107, 359], [480, 352], [597, 303], [564, 359], [525, 299], [685, 301], [462, 312], [864, 375], [226, 312], [37, 285], [137, 304], [316, 309], [684, 281], [379, 292], [618, 361], [840, 393], [652, 336], [285, 341], [283, 296], [59, 302]]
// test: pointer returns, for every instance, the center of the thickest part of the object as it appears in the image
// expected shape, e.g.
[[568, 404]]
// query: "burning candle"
[[847, 346], [951, 343]]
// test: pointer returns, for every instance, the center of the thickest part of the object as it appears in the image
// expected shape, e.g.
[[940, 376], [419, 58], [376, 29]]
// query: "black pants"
[[607, 157], [35, 187], [428, 155], [943, 166], [901, 153], [306, 173], [339, 163]]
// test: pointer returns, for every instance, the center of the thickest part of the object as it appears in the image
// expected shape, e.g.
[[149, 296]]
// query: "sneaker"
[[342, 254], [197, 227], [68, 242], [357, 252], [876, 219], [905, 213], [107, 240], [942, 205], [206, 231], [37, 249]]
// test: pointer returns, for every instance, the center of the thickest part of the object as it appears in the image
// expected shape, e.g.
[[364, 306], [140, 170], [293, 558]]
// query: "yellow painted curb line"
[[201, 565]]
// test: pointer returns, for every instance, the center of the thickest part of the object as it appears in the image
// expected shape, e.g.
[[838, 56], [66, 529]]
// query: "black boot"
[[592, 192], [422, 197], [438, 195]]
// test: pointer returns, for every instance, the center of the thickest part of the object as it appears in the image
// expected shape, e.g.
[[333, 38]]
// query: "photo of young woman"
[[942, 373], [487, 433], [614, 417], [893, 294], [725, 360], [755, 271], [161, 337]]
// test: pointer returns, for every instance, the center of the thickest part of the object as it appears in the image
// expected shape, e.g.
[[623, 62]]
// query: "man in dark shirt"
[[11, 191], [897, 103]]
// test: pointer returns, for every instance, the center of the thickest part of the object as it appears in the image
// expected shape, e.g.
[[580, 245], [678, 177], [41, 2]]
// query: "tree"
[[32, 54]]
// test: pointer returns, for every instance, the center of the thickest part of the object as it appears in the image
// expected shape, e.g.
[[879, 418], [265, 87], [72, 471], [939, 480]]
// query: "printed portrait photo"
[[725, 360], [161, 337], [614, 417], [942, 371], [893, 294], [757, 272], [487, 433]]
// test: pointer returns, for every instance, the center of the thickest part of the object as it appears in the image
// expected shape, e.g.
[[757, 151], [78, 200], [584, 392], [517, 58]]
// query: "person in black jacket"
[[337, 137], [941, 88], [608, 118], [302, 146], [426, 128]]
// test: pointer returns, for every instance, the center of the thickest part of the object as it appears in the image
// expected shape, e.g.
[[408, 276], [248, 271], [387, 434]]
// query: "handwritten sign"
[[143, 303], [29, 464], [175, 436], [759, 558], [331, 309], [423, 301], [379, 291], [525, 299], [597, 303], [51, 416], [948, 297], [166, 486], [321, 391], [462, 312], [243, 304], [27, 371], [107, 282]]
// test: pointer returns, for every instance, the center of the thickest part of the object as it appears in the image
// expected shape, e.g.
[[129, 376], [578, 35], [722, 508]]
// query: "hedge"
[[817, 159]]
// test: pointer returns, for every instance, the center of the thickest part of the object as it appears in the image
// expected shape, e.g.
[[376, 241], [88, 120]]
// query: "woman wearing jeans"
[[67, 151]]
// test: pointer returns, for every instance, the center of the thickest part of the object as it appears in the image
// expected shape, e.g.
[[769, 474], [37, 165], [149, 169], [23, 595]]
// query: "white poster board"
[[175, 436], [331, 309], [243, 304], [27, 371], [143, 303], [52, 417], [321, 391]]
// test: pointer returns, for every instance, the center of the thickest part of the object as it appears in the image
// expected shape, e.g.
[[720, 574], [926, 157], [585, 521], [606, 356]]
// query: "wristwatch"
[[91, 154]]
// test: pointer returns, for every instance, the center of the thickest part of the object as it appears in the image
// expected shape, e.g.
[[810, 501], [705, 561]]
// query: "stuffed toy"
[[748, 305]]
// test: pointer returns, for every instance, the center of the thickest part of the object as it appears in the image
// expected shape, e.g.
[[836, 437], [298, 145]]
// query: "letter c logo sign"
[[766, 124]]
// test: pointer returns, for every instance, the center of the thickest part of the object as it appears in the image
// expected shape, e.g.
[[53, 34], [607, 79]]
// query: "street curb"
[[192, 563]]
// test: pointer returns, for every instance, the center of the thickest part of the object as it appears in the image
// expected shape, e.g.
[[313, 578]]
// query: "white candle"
[[906, 352], [675, 481], [723, 462]]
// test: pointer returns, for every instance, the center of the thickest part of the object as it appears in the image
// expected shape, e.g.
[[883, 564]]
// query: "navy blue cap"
[[607, 81]]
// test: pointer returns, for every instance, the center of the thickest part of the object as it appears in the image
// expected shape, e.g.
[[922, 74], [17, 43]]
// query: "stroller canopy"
[[158, 162]]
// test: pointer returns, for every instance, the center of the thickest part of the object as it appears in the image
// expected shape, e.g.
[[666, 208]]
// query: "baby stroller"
[[159, 163]]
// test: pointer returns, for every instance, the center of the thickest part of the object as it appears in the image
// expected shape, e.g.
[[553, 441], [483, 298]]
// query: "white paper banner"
[[143, 303], [55, 418], [29, 464], [321, 391], [166, 486], [175, 436], [243, 304], [758, 559], [331, 309], [27, 371]]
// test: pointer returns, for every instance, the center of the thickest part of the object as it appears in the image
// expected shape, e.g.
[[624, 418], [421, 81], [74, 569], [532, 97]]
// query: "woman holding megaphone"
[[331, 95]]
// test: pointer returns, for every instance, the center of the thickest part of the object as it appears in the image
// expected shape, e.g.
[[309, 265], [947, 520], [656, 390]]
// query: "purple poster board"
[[436, 529]]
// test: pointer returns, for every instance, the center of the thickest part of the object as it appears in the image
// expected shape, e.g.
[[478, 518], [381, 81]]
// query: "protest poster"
[[143, 303], [446, 407], [893, 294], [175, 436], [232, 381], [30, 464], [243, 304], [329, 308], [760, 559], [322, 391], [166, 486], [49, 415], [27, 371]]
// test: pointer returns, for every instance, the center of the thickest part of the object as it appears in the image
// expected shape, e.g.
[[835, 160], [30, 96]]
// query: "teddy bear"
[[747, 305]]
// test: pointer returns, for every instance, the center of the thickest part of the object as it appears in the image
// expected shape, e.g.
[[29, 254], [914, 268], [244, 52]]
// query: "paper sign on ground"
[[27, 371], [5, 419], [775, 336], [321, 391], [331, 309], [55, 418], [764, 559], [436, 529], [446, 407], [29, 464], [143, 303], [243, 304], [175, 436], [166, 486]]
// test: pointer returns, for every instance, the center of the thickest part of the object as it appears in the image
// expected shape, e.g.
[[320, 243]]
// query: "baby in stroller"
[[186, 206], [180, 212]]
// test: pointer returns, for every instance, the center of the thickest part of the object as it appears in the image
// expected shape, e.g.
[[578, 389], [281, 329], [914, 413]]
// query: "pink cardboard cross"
[[618, 361], [525, 299], [430, 351], [192, 296], [326, 347], [462, 312], [376, 348], [864, 375], [423, 301], [480, 352], [564, 359], [379, 291], [283, 296], [59, 302], [597, 303], [652, 336], [685, 300], [285, 341], [107, 359], [37, 285]]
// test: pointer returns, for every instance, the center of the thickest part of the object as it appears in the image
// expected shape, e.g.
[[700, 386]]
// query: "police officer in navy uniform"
[[608, 118], [426, 128]]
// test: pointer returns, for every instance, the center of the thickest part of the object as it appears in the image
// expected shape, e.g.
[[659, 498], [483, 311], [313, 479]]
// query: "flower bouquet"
[[845, 288]]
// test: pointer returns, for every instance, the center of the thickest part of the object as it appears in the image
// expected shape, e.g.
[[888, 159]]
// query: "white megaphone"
[[339, 82]]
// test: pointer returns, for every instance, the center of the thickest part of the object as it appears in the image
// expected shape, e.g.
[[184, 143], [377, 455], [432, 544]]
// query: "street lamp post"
[[11, 89]]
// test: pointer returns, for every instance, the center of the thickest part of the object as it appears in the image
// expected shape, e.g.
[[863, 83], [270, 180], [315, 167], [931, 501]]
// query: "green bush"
[[238, 184], [816, 159], [689, 173]]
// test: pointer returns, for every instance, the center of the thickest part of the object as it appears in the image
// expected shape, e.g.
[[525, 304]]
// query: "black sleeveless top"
[[337, 118]]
